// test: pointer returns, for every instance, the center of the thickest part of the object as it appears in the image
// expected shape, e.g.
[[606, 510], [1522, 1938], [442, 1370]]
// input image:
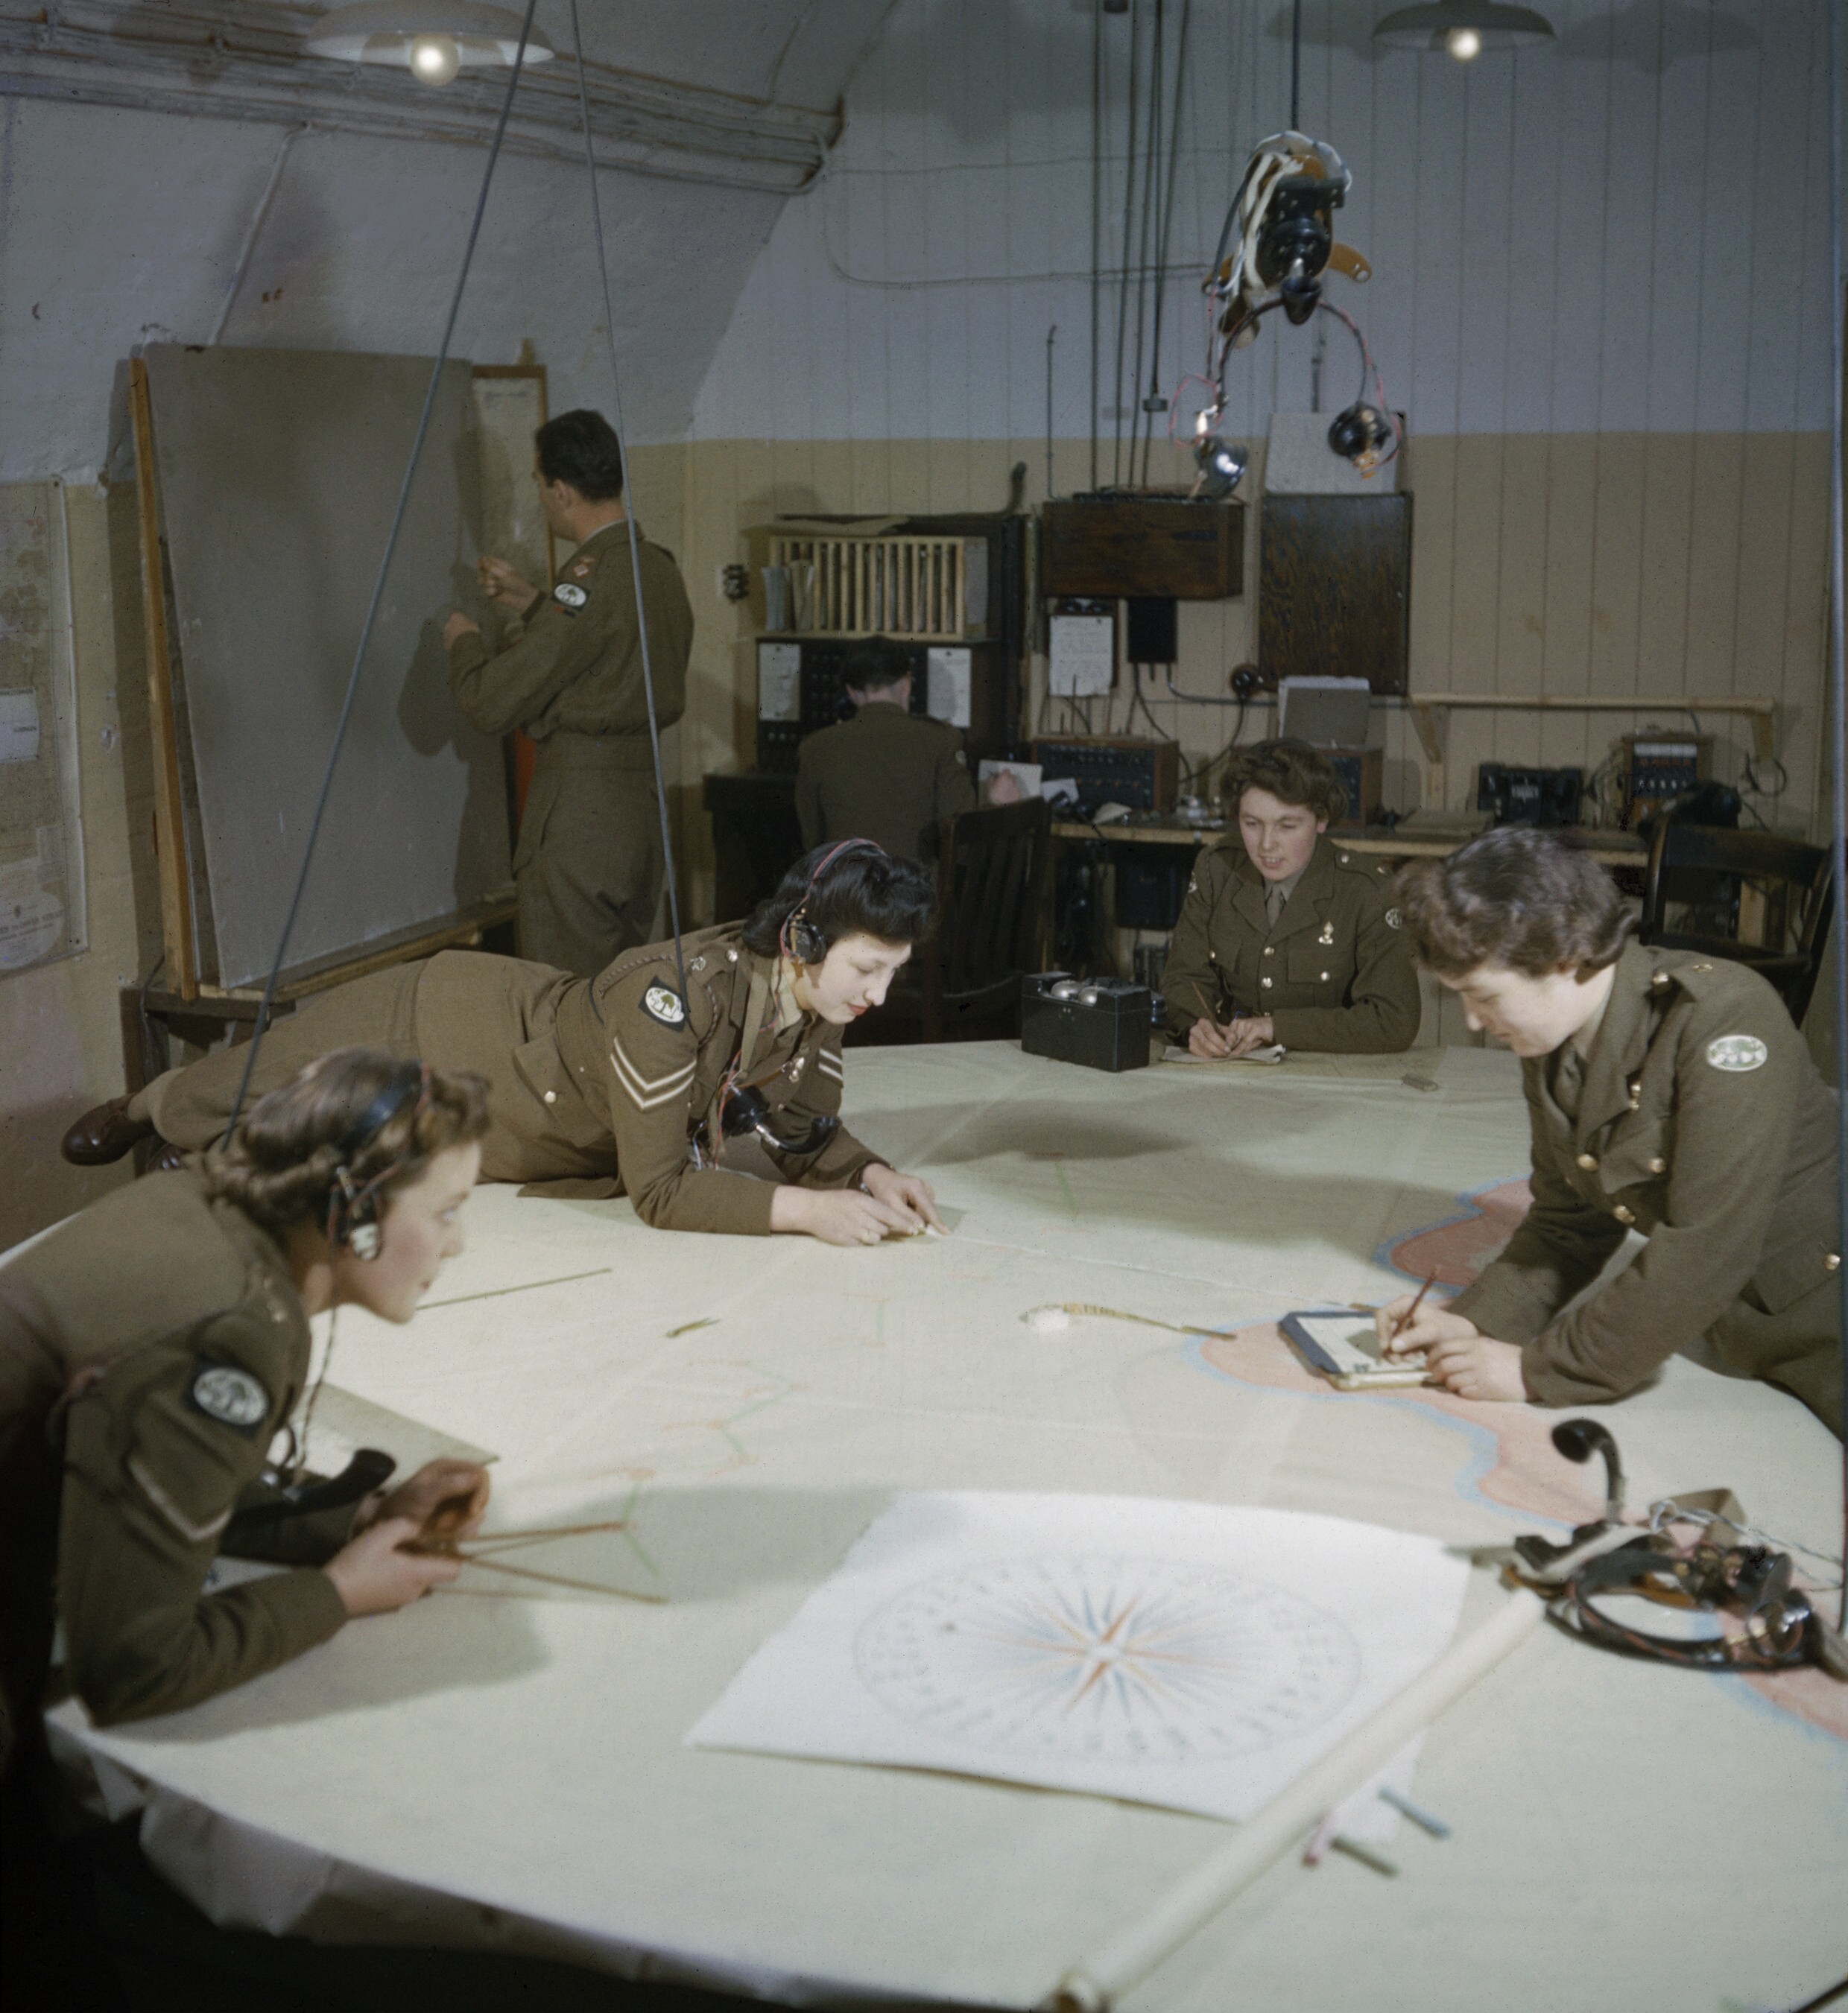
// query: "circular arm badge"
[[662, 1003], [1737, 1054], [230, 1395]]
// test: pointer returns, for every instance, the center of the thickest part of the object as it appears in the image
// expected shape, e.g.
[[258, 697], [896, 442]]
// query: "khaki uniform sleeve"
[[1383, 1010], [1731, 1145], [1560, 1246], [150, 1482], [1189, 975], [952, 787], [840, 1162], [652, 1066], [514, 686]]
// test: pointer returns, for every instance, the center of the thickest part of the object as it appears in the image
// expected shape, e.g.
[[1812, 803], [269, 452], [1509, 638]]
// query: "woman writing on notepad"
[[152, 1350], [1669, 1094], [1286, 937]]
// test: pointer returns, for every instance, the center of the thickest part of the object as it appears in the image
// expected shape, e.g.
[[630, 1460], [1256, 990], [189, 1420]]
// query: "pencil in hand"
[[1411, 1314]]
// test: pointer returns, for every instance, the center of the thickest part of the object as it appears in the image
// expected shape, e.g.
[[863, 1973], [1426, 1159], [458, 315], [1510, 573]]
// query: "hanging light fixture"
[[433, 39], [1464, 28]]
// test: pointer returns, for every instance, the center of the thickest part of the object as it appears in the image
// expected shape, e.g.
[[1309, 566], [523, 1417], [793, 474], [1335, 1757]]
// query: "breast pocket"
[[1640, 1151], [1318, 967]]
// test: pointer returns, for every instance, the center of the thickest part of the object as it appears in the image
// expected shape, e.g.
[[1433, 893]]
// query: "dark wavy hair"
[[1519, 899], [581, 448], [862, 891], [1293, 772], [278, 1165]]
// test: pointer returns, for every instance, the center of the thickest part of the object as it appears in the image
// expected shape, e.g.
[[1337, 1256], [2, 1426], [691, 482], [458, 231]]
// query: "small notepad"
[[1341, 1345]]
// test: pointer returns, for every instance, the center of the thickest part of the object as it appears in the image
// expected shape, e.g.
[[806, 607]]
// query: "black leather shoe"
[[165, 1157], [104, 1135]]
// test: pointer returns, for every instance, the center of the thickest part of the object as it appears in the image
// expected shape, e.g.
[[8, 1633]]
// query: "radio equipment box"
[[1112, 769], [1657, 768], [1142, 545], [1528, 796], [1101, 1023]]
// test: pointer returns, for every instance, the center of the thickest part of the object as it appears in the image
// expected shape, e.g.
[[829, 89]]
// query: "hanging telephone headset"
[[355, 1208], [799, 938]]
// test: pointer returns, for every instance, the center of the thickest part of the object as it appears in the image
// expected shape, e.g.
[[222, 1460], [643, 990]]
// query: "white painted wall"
[[1627, 232]]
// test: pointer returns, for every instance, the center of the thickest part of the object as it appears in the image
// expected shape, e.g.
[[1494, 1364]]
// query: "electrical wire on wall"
[[1837, 744], [261, 1024]]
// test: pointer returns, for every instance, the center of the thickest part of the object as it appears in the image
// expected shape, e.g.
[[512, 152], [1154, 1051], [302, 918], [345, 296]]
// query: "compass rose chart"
[[1135, 1660], [1191, 1655]]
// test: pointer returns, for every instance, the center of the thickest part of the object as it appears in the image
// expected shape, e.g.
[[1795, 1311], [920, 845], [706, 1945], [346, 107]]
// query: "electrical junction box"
[[1657, 768], [1112, 769]]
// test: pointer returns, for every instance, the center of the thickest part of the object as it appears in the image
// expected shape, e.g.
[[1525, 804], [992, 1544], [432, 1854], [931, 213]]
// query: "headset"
[[354, 1210], [799, 938]]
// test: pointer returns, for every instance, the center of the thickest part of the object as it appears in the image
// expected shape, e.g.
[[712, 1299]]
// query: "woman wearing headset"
[[623, 1084], [152, 1349]]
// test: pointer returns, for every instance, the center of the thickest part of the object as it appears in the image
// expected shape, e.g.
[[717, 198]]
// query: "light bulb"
[[1464, 44], [434, 59]]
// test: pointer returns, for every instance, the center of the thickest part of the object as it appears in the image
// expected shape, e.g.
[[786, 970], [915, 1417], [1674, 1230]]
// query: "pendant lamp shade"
[[433, 39], [1464, 28]]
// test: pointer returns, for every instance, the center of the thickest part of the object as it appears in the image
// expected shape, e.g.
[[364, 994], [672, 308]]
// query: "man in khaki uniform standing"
[[589, 865], [887, 774]]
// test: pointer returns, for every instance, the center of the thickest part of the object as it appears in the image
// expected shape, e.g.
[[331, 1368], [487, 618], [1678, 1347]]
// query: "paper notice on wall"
[[19, 727], [1083, 655], [780, 681], [951, 684], [31, 917]]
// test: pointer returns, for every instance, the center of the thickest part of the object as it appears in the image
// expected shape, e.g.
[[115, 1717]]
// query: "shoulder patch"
[[1737, 1054], [569, 596], [662, 1004], [1394, 919], [231, 1395]]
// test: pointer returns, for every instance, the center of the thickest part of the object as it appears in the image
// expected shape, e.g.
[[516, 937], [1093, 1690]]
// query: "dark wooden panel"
[[1144, 545], [755, 838], [1334, 588]]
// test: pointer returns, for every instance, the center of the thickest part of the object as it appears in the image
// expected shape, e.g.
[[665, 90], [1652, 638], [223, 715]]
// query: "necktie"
[[1568, 1078], [1275, 896]]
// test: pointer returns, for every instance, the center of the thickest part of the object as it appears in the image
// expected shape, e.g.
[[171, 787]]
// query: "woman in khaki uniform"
[[1284, 936], [617, 1084], [1669, 1094], [151, 1350]]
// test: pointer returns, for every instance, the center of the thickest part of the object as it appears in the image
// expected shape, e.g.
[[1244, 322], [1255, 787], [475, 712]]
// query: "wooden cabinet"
[[1334, 588]]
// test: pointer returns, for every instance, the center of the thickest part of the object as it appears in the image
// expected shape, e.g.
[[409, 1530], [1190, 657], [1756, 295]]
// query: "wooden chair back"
[[1750, 896], [993, 869]]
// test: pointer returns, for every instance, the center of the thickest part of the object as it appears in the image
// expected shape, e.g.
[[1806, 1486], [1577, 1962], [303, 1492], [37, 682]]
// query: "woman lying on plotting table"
[[152, 1348], [616, 1085], [1668, 1093], [1284, 936]]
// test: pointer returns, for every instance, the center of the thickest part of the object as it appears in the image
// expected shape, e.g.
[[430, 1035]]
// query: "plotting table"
[[510, 1771]]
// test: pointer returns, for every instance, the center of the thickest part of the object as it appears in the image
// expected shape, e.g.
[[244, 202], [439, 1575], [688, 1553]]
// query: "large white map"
[[1179, 1653]]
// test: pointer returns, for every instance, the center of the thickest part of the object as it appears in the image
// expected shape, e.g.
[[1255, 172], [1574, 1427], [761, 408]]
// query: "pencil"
[[1405, 1320]]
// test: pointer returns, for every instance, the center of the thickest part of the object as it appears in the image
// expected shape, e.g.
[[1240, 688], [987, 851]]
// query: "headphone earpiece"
[[801, 939], [353, 1212], [806, 941], [355, 1223]]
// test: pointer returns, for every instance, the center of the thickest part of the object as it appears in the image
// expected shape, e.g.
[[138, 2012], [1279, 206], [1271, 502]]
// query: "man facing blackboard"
[[587, 867]]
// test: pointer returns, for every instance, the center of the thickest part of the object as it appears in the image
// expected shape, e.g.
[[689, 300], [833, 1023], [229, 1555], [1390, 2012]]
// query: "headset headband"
[[796, 915], [412, 1079]]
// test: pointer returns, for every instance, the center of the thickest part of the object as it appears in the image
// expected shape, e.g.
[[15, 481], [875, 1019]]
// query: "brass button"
[[1700, 967], [1324, 975], [551, 1097], [1658, 1165], [1832, 1263], [1264, 981], [1636, 1104], [1588, 1161], [1660, 978], [1624, 1213], [1344, 859], [1270, 950]]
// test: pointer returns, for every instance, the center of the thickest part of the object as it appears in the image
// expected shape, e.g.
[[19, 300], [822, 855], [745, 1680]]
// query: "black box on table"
[[1101, 1023]]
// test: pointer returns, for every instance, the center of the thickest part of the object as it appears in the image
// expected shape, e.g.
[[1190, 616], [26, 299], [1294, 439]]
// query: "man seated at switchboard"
[[639, 1082], [887, 773], [1285, 936], [589, 867], [1669, 1093]]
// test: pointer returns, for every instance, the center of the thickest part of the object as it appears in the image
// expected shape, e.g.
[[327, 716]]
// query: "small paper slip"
[[1342, 1345], [1274, 1053]]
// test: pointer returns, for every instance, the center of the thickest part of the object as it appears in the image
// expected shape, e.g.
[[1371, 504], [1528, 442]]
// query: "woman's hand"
[[836, 1216], [375, 1574], [1430, 1324], [1205, 1038], [906, 1193], [1477, 1366], [1256, 1031], [458, 626], [446, 1500]]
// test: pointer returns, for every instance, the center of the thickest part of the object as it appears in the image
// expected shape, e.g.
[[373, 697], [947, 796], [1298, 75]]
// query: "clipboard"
[[1340, 1344]]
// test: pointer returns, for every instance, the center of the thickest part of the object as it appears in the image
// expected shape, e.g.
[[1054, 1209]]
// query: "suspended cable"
[[1838, 751], [1123, 291], [385, 566], [635, 542]]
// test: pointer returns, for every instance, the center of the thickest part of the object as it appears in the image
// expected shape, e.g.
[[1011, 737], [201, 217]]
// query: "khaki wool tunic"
[[587, 868], [1335, 972], [595, 1087], [150, 1348], [1701, 1122], [885, 775]]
